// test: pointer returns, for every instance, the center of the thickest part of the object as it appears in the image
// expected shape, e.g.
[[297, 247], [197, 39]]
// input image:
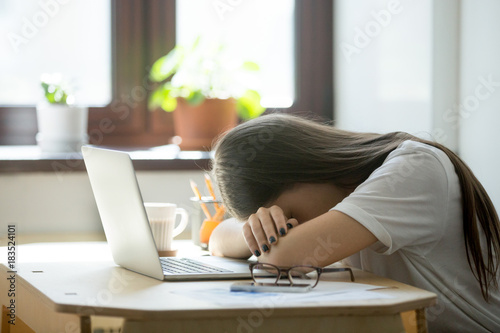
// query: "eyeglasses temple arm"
[[332, 270]]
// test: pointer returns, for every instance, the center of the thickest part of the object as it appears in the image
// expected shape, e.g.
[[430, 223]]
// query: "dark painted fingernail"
[[272, 239], [289, 225], [265, 248], [282, 231], [257, 253]]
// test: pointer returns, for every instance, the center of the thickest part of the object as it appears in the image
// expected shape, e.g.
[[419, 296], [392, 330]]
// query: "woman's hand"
[[263, 228]]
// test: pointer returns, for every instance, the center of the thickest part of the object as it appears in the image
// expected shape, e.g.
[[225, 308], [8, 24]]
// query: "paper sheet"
[[324, 292]]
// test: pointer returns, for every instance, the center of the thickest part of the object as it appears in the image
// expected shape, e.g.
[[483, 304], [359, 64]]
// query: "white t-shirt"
[[411, 203]]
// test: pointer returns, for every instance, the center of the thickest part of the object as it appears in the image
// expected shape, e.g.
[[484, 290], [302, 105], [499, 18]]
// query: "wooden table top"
[[81, 278]]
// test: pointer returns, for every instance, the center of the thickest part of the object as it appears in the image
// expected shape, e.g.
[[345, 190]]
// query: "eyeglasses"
[[301, 275]]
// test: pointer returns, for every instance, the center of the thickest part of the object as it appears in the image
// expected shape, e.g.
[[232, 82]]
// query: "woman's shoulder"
[[405, 201], [411, 146], [415, 164], [416, 151]]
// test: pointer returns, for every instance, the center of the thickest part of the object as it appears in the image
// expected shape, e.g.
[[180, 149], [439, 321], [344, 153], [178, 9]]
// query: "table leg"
[[421, 321]]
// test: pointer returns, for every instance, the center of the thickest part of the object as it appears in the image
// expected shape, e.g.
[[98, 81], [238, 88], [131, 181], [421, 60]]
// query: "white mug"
[[162, 218]]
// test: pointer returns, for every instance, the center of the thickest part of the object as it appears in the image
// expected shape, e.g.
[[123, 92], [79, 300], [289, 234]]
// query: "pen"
[[219, 214], [208, 181], [202, 204]]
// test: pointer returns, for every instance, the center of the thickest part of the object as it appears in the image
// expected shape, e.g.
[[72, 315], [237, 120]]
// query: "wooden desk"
[[60, 295]]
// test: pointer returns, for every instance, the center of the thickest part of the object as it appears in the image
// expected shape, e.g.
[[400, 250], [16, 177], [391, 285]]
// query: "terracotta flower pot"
[[198, 126]]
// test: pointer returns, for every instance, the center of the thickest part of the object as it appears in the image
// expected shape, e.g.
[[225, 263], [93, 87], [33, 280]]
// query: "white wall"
[[480, 115], [48, 203], [423, 71], [382, 52]]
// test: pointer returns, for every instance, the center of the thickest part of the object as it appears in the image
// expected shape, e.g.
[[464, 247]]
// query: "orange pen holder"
[[206, 230]]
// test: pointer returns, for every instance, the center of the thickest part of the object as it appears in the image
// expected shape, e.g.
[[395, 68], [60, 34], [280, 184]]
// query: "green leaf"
[[50, 97], [54, 93], [162, 97], [195, 98], [195, 43], [250, 66], [60, 95], [248, 105], [155, 99], [168, 103], [45, 87], [164, 67]]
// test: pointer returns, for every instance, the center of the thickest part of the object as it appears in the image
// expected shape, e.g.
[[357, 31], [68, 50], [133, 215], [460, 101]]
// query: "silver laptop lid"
[[122, 212]]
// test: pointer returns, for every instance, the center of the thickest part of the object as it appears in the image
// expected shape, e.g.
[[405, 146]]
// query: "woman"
[[393, 204]]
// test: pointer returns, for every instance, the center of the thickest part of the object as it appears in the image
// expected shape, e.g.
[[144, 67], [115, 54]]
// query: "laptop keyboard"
[[188, 266]]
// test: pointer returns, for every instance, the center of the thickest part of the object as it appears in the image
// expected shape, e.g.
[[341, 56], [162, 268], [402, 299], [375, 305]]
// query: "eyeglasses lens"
[[264, 273], [303, 276]]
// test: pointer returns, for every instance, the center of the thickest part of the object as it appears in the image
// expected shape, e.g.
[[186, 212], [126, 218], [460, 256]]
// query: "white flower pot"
[[61, 128]]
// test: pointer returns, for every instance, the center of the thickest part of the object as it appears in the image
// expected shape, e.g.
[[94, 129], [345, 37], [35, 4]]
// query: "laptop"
[[127, 228]]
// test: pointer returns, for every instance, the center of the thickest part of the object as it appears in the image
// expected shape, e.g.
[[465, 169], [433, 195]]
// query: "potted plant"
[[62, 126], [208, 89]]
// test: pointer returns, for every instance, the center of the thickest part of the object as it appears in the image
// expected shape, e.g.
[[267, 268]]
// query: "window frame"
[[143, 31]]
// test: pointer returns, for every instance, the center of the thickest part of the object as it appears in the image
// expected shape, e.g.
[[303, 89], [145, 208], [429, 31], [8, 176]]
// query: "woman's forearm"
[[324, 240], [227, 240]]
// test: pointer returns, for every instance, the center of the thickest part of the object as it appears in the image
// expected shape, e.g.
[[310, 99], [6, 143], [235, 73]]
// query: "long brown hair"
[[258, 160]]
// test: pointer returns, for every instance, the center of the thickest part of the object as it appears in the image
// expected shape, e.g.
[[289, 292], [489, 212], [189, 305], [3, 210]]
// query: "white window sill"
[[31, 159]]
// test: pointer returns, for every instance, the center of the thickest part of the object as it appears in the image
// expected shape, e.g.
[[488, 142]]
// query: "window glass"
[[258, 30], [72, 38]]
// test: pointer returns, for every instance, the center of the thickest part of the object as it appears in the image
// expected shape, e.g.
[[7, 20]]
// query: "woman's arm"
[[321, 241], [227, 240]]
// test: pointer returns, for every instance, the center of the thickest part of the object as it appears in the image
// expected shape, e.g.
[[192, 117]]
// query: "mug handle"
[[183, 223]]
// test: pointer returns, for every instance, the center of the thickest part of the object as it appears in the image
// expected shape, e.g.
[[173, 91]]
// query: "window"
[[258, 30], [47, 37], [141, 32]]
